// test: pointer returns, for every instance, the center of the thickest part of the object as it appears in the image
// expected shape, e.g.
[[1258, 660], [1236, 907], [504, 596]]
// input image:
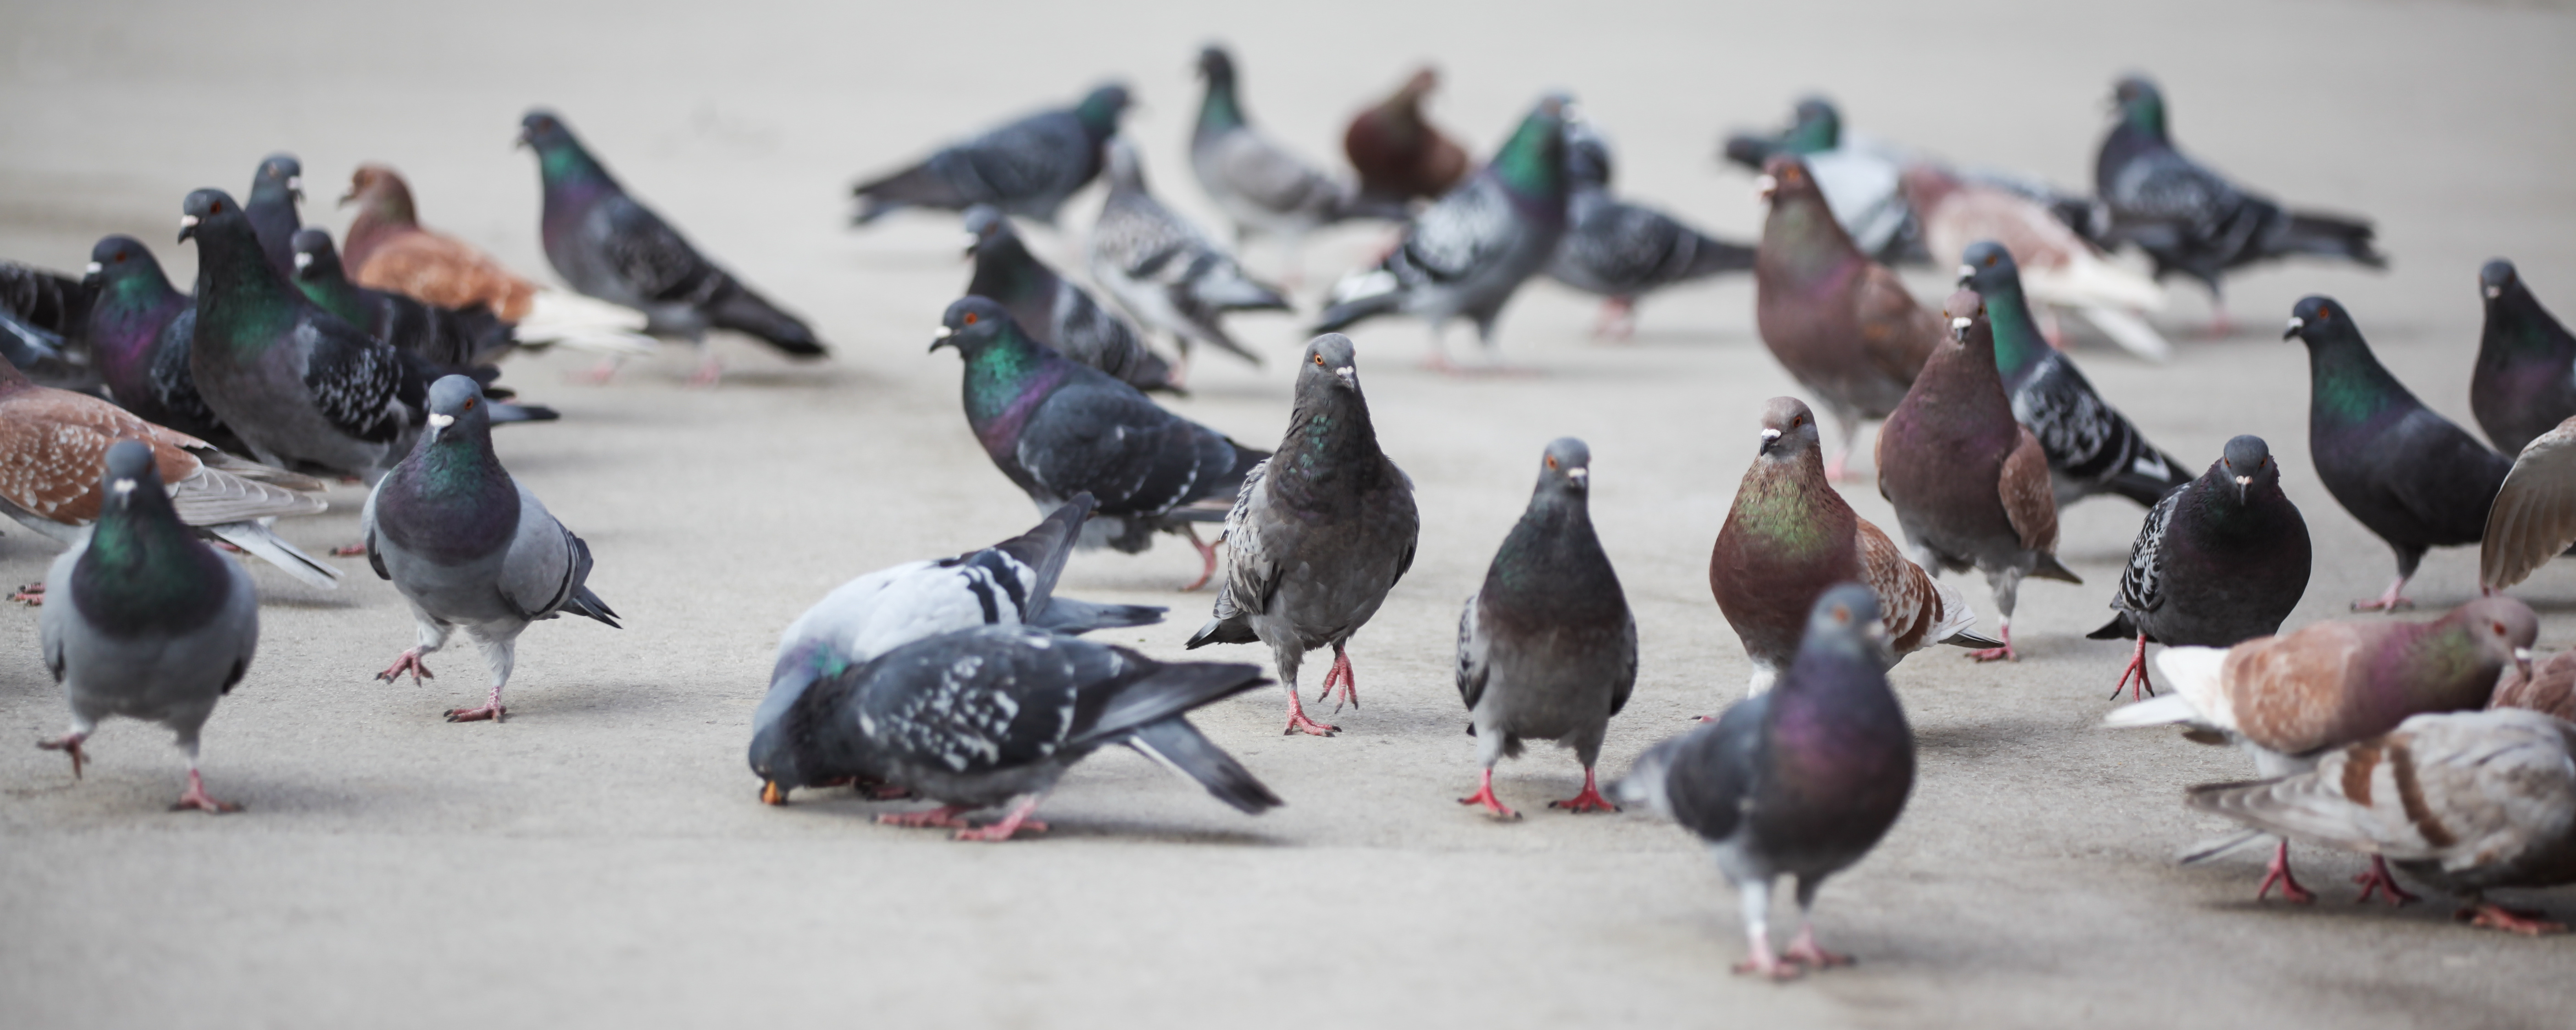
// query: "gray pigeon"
[[1547, 649], [979, 717], [1166, 272], [1027, 167], [145, 621], [275, 189], [470, 547], [1799, 781], [1054, 311], [1260, 185], [1319, 533], [1620, 250]]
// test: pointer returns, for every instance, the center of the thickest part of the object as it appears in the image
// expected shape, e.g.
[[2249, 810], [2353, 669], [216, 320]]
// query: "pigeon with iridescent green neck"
[[1054, 311], [1026, 168], [457, 339], [2525, 382]]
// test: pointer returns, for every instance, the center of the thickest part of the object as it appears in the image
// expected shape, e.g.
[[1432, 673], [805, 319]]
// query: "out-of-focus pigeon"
[[1318, 535], [1026, 168], [1058, 428], [276, 187], [1790, 535], [2525, 383], [979, 717], [1261, 186], [2407, 474], [1547, 649], [1621, 250], [2219, 562], [2551, 688], [470, 547], [1166, 272], [2533, 518], [1799, 782], [50, 301], [2288, 698], [1470, 251], [42, 354], [610, 246], [140, 330], [2059, 267], [1843, 325], [2190, 219], [146, 622], [456, 338], [1970, 484], [2091, 447], [1054, 311], [2467, 802], [1399, 155]]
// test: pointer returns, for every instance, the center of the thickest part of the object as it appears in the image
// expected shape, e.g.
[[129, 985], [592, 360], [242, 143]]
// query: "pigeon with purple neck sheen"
[[2219, 562], [1969, 482], [2525, 383], [1054, 311], [140, 330], [1027, 167], [1800, 782], [275, 189], [1620, 250]]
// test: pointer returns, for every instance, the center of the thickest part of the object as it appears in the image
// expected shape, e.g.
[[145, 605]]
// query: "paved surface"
[[600, 859]]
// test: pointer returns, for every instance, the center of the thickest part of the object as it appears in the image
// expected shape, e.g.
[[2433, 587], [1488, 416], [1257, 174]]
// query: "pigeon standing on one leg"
[[2525, 383], [1621, 250], [145, 621], [1054, 311], [470, 547], [1547, 649], [1166, 272], [2219, 562], [1319, 533], [275, 189], [1026, 168]]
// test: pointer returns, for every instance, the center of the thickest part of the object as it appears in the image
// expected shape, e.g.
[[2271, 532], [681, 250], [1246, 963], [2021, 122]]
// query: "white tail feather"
[[581, 323], [2193, 674], [2155, 711], [257, 540], [2088, 281], [1955, 613]]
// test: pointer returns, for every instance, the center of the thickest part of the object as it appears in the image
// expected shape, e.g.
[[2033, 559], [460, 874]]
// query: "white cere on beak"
[[122, 487], [2244, 480], [943, 333], [2522, 654], [440, 421], [2297, 323], [187, 221], [1578, 475], [295, 182], [1770, 434], [1764, 186], [2494, 292], [1967, 271], [1350, 376], [95, 268], [303, 261], [1962, 323], [974, 240]]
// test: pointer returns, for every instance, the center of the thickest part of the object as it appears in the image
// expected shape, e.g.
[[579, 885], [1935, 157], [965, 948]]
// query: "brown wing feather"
[[1895, 332], [2551, 688], [2036, 239], [2029, 501], [53, 449], [446, 271], [2534, 517], [2289, 691], [1907, 602]]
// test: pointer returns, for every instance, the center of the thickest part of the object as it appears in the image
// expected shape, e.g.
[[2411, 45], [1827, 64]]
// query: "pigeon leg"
[[1297, 720], [2005, 653], [1341, 673], [2137, 667], [2392, 601], [1207, 558], [31, 595], [70, 743], [1755, 898], [1485, 796], [2527, 922], [2280, 873], [1618, 321], [1588, 801], [1839, 464], [499, 654], [196, 797], [1439, 359], [410, 662], [2049, 329], [2378, 879], [1012, 822], [597, 375], [1806, 952], [944, 815], [349, 550], [710, 370]]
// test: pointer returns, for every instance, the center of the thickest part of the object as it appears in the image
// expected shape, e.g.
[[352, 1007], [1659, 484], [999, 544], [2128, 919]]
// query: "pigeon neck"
[[1328, 436], [1553, 552], [2144, 115], [132, 307], [2349, 385], [1790, 506], [1833, 696], [329, 288], [1004, 271], [1005, 380], [1532, 164], [456, 503], [383, 211], [1099, 117], [1813, 136], [1220, 109], [144, 572], [238, 291], [2443, 668], [2517, 327], [1801, 240], [2018, 345], [571, 175]]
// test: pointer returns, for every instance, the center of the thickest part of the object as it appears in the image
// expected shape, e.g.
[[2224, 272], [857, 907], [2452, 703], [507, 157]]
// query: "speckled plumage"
[[1163, 270], [2218, 562], [454, 339], [1052, 310], [2091, 447]]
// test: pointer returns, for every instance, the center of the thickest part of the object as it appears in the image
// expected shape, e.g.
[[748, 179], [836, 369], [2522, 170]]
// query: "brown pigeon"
[[1399, 155], [386, 249], [2551, 687]]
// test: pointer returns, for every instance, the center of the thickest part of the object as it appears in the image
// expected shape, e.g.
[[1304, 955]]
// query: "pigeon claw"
[[1012, 822], [1588, 801], [409, 662], [1804, 951], [1341, 673], [1769, 967], [1995, 654], [349, 550], [70, 744], [944, 815], [196, 798], [2279, 872], [492, 711], [2392, 601], [2524, 921], [2137, 668], [2378, 879], [1299, 723], [31, 595], [1485, 796], [710, 372]]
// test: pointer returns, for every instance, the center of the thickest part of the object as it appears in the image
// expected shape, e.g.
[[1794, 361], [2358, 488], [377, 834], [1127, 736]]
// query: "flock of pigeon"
[[138, 422]]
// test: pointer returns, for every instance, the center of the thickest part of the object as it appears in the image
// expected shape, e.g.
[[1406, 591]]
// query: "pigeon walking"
[[2060, 267], [275, 189], [1622, 251], [1790, 535], [1054, 311], [1058, 428], [140, 330], [2525, 383], [981, 717], [1399, 154], [1319, 533], [1027, 168], [470, 547], [1547, 649], [1799, 782], [2217, 563], [453, 338], [610, 246], [2409, 475], [1261, 186], [1166, 272], [147, 622]]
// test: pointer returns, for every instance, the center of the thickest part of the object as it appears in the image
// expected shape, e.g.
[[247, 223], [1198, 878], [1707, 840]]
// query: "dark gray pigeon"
[[145, 621], [1026, 168], [1319, 533], [1261, 186], [1054, 311], [1621, 250], [275, 188], [470, 547], [2525, 382], [2411, 476], [1166, 272], [979, 717], [140, 330], [455, 338], [51, 301], [1800, 781], [2219, 562], [1546, 648]]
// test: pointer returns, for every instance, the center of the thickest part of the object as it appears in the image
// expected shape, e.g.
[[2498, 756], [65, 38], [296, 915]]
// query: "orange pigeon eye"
[[1319, 361], [1551, 461], [970, 318]]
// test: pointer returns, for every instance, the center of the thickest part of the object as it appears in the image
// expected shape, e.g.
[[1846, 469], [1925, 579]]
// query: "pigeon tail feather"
[[2048, 568], [748, 312], [257, 539], [1181, 747], [2310, 233], [2167, 710]]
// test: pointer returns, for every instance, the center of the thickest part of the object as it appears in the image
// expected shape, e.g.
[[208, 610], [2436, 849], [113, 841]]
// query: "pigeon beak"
[[2242, 484], [438, 424], [2522, 661], [1581, 478], [2494, 292], [295, 187], [1770, 439], [1764, 186], [1349, 376], [124, 490], [973, 241], [303, 261], [187, 227], [90, 276], [2296, 324], [771, 793], [940, 339], [1967, 274]]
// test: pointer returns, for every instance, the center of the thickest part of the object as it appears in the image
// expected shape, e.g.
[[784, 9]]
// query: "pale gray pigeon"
[[1163, 270]]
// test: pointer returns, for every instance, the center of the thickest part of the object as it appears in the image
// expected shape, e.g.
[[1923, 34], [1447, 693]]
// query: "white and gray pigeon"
[[1027, 167], [1622, 251], [995, 714], [470, 547], [1262, 187], [1799, 781], [1547, 649], [145, 621], [1053, 310], [1318, 535], [1166, 272]]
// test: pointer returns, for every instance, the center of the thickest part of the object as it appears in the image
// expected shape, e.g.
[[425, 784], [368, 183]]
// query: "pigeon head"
[[1814, 127], [1963, 311], [544, 130], [1532, 162], [1988, 268], [134, 480], [1215, 65], [117, 260], [1331, 363], [1846, 620], [456, 409], [1788, 430], [314, 256], [2320, 320], [279, 175], [2247, 463], [2140, 104], [1100, 109], [1587, 155], [2497, 278], [382, 191], [985, 224], [1423, 81], [208, 211], [972, 324], [1565, 468], [1785, 179], [2503, 629]]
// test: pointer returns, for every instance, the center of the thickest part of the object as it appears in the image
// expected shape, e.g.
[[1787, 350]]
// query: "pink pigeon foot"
[[1350, 685], [492, 712], [1805, 952], [31, 595], [1299, 723], [2378, 879], [1017, 820], [409, 662], [596, 375], [944, 815], [710, 372], [69, 743], [1766, 965], [2492, 916], [2392, 601], [2004, 653], [1485, 796], [1207, 558], [348, 550], [2280, 873], [1588, 801], [2137, 667], [196, 798], [1618, 322]]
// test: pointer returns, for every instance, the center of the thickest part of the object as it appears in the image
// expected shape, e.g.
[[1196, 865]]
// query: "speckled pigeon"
[[1166, 272], [1400, 155], [979, 717], [140, 330], [454, 338], [275, 188], [145, 621], [1622, 250], [1262, 187], [1547, 649], [2525, 382], [1026, 168], [1054, 311], [1799, 782], [470, 547], [2219, 562], [1318, 535]]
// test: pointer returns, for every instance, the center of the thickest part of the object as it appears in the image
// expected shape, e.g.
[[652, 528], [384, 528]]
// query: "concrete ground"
[[600, 859]]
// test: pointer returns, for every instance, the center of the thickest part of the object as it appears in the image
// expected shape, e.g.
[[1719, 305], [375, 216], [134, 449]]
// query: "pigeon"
[[1399, 155], [456, 338], [609, 246], [2218, 562], [470, 547], [2467, 802], [2288, 698], [1856, 178], [1009, 583], [1026, 168], [990, 715], [2191, 220], [1815, 127], [1547, 649], [1800, 782], [1468, 252], [1261, 186], [42, 354], [1621, 250], [2533, 518], [1166, 272], [1789, 535], [2407, 474], [140, 330], [1058, 428], [51, 301], [2525, 383], [2092, 449], [1054, 311], [2551, 688], [1315, 541], [147, 622], [1843, 325], [275, 188], [1970, 484], [2060, 267], [386, 249]]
